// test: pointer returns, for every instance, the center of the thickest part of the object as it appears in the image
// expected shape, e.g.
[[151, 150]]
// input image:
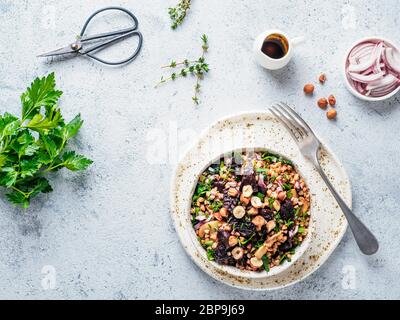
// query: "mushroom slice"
[[237, 253], [239, 212], [256, 202], [247, 191], [256, 263]]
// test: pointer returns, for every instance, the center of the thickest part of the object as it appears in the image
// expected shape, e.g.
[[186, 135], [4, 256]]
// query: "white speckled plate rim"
[[328, 220]]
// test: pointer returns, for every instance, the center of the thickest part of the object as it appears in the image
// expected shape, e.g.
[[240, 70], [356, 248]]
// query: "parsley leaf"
[[75, 162]]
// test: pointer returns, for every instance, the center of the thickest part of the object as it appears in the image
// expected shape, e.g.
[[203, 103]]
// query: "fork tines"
[[291, 120]]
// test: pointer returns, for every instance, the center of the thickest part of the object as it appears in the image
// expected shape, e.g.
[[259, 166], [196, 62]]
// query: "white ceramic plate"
[[261, 130]]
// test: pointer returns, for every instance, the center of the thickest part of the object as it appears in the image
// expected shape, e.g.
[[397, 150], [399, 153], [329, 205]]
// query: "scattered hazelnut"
[[232, 192], [247, 191], [308, 88], [322, 103], [282, 195], [223, 212], [258, 221], [252, 211], [276, 205], [256, 202], [239, 212], [332, 100], [270, 225], [232, 241], [322, 78], [207, 227], [244, 200], [331, 114], [237, 253]]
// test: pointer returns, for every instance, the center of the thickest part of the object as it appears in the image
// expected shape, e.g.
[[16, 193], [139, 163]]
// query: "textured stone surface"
[[107, 232]]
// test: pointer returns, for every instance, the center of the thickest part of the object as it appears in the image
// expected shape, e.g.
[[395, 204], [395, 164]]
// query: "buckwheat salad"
[[251, 210]]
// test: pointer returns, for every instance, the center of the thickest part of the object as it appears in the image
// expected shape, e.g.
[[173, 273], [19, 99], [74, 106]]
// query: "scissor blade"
[[61, 51]]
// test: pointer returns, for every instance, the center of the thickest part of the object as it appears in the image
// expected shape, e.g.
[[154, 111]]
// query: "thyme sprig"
[[197, 67], [178, 13]]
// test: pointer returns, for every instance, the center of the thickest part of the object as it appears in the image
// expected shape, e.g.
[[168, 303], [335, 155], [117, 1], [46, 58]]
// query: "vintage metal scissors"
[[88, 45]]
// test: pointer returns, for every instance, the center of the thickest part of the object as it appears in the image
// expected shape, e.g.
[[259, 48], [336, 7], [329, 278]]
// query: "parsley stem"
[[49, 168], [26, 195]]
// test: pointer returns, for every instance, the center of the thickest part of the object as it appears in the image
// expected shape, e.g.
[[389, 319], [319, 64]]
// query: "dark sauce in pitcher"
[[275, 46]]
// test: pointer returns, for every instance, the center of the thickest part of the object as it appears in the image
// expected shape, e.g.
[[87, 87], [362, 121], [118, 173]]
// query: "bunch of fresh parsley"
[[34, 144]]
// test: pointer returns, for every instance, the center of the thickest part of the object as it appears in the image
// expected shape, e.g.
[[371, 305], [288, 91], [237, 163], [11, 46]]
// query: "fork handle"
[[365, 239]]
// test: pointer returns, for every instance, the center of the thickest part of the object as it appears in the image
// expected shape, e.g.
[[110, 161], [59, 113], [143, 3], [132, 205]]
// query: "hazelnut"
[[207, 227], [256, 263], [239, 212], [237, 253], [232, 241], [322, 78], [332, 100], [258, 221], [247, 191], [282, 195], [256, 202], [322, 103], [270, 225], [223, 212], [232, 192], [244, 200], [252, 211], [276, 205], [331, 114], [308, 88]]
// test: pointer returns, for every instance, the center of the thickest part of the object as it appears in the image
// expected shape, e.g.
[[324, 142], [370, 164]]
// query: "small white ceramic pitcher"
[[272, 63]]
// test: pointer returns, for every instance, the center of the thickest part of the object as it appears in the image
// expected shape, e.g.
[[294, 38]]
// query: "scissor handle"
[[119, 35]]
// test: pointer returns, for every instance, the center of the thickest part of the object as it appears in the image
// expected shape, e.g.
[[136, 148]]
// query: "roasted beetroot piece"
[[230, 202], [249, 179], [286, 246], [223, 237], [287, 210], [267, 214]]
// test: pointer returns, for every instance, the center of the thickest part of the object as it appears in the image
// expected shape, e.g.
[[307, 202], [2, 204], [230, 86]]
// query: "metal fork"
[[309, 146]]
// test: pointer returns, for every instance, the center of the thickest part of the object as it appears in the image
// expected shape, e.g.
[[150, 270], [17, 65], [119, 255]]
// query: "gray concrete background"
[[107, 232]]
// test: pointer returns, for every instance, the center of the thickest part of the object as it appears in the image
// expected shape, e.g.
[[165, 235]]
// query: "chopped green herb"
[[216, 205], [261, 196], [271, 202], [208, 243], [261, 170], [210, 254], [265, 263], [287, 186], [301, 230], [267, 156], [289, 194]]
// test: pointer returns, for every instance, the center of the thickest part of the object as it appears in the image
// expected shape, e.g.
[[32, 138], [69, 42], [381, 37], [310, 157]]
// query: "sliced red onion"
[[261, 183], [386, 81], [201, 218], [373, 68], [293, 232], [366, 78], [198, 225], [392, 61]]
